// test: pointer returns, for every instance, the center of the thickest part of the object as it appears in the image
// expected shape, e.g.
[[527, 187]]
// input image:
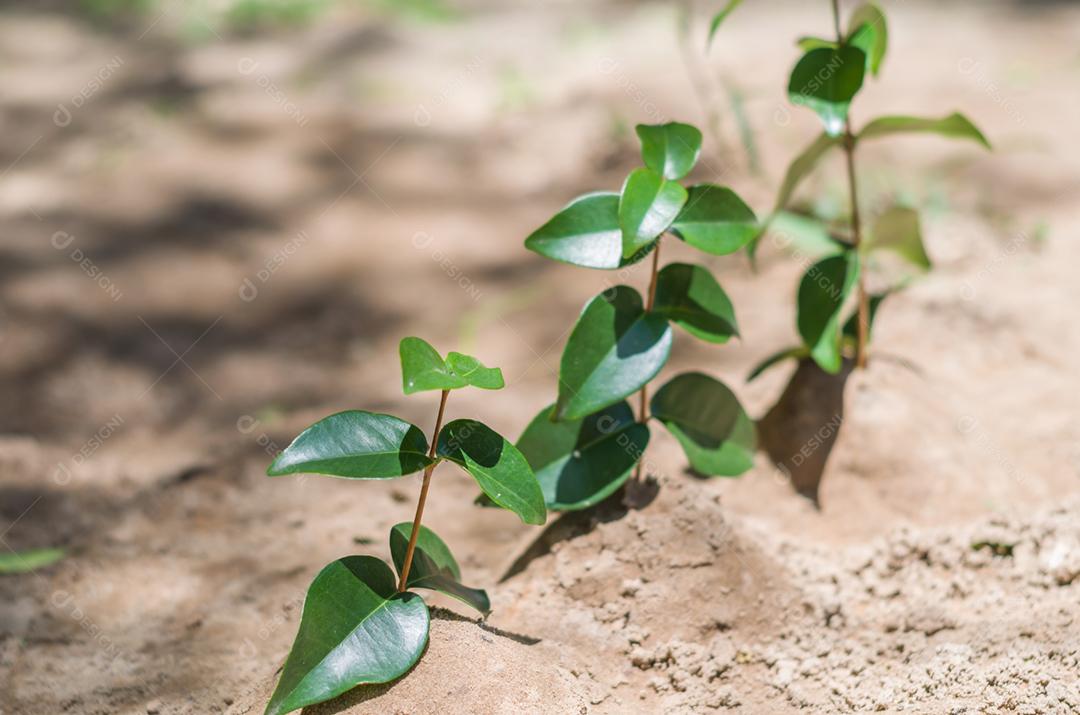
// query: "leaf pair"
[[357, 629], [616, 347], [364, 445], [422, 368], [609, 231]]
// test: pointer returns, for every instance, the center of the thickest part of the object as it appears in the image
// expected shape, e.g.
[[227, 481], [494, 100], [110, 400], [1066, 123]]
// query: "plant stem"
[[423, 496], [863, 307], [643, 412]]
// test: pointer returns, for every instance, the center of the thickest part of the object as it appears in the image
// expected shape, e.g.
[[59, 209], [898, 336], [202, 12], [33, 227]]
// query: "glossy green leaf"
[[581, 462], [357, 445], [825, 80], [822, 292], [27, 561], [718, 19], [433, 566], [647, 206], [898, 230], [671, 149], [355, 629], [868, 31], [474, 372], [801, 167], [615, 348], [586, 233], [715, 220], [776, 358], [690, 297], [496, 465], [422, 368], [851, 327], [708, 421], [955, 125]]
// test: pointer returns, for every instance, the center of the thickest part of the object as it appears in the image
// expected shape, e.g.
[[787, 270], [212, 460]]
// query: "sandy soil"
[[265, 217]]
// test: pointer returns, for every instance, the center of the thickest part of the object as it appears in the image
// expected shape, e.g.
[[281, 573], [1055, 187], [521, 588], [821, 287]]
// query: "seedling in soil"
[[361, 623], [585, 445], [826, 79]]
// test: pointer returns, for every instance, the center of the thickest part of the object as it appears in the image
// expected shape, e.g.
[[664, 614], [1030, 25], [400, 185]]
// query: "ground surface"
[[226, 240]]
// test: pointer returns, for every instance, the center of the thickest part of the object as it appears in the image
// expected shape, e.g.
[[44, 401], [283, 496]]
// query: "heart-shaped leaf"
[[691, 298], [822, 292], [586, 233], [496, 465], [581, 462], [357, 445], [955, 125], [715, 220], [647, 206], [671, 149], [719, 18], [710, 424], [433, 566], [422, 368], [354, 630], [898, 230], [826, 80], [868, 31], [615, 348]]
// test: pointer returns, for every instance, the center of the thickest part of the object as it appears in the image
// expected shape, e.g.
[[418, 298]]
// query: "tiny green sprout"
[[585, 445], [361, 623], [826, 79]]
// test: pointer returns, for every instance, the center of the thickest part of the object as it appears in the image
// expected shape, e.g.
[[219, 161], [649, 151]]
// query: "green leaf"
[[715, 220], [691, 298], [357, 445], [496, 465], [719, 18], [27, 561], [804, 236], [710, 424], [822, 292], [615, 348], [474, 372], [801, 167], [851, 327], [354, 630], [586, 233], [825, 80], [955, 125], [868, 31], [581, 462], [647, 206], [898, 230], [433, 566], [776, 358], [671, 149], [809, 42], [422, 368]]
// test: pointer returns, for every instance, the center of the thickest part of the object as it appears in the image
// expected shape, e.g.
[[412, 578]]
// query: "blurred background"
[[221, 216]]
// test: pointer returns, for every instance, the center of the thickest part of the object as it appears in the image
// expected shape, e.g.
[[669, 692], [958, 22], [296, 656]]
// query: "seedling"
[[585, 445], [826, 79], [360, 623]]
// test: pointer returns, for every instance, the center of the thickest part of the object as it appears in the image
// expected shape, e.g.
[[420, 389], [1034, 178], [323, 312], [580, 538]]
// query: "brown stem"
[[644, 408], [423, 496], [856, 223]]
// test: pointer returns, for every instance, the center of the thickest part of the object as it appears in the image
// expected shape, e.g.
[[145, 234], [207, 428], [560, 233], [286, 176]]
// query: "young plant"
[[360, 623], [585, 445], [826, 79]]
